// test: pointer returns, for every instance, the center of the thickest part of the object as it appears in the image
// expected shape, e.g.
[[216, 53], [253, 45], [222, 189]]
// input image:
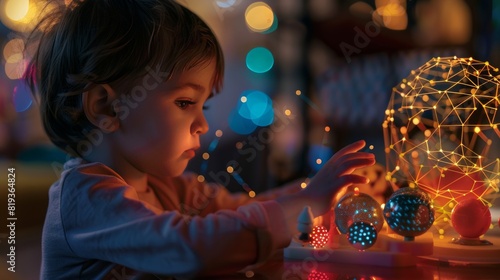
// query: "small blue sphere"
[[362, 235]]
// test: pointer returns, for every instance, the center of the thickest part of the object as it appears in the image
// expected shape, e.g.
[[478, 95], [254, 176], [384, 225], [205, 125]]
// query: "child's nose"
[[200, 125]]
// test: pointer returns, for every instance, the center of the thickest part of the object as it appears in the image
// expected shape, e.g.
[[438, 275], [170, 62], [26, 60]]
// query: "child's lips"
[[191, 152]]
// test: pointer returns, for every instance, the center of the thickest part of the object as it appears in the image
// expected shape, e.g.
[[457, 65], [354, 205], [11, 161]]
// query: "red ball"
[[461, 185], [471, 218]]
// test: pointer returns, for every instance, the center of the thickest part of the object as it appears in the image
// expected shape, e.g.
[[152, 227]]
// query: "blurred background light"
[[21, 97], [23, 15], [225, 3], [393, 13], [318, 156], [256, 107], [16, 9], [273, 27], [259, 17], [15, 65], [239, 124], [259, 60]]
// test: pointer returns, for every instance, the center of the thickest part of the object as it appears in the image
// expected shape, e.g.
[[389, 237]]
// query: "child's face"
[[161, 134]]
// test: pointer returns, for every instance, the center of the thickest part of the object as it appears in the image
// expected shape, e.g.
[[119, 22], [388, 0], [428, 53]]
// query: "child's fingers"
[[350, 179], [351, 148], [341, 162], [350, 165]]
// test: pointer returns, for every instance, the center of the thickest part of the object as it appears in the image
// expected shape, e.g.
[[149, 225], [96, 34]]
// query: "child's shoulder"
[[78, 166], [79, 174]]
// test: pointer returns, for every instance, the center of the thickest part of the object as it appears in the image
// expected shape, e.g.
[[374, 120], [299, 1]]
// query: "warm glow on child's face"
[[161, 134]]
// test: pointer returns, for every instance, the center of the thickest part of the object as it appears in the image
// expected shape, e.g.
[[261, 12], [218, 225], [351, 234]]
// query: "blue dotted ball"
[[409, 212]]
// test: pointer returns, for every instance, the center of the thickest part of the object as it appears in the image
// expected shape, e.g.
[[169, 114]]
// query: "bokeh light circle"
[[23, 15], [257, 107], [14, 48], [259, 60], [225, 3], [239, 124], [259, 17], [21, 97], [16, 9]]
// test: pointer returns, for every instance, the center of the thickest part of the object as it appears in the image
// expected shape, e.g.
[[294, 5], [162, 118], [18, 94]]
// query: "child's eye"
[[183, 104], [205, 107]]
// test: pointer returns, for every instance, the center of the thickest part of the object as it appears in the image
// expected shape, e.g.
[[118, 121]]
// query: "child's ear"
[[99, 109]]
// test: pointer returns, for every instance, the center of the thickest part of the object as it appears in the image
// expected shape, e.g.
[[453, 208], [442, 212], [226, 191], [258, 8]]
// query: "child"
[[122, 85]]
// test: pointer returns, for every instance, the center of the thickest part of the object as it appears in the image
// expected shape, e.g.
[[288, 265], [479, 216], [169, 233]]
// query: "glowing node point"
[[356, 191], [201, 178]]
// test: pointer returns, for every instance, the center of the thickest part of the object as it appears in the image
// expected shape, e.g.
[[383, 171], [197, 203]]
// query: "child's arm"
[[101, 218]]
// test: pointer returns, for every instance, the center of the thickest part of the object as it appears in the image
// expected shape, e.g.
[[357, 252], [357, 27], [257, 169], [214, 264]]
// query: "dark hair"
[[90, 42]]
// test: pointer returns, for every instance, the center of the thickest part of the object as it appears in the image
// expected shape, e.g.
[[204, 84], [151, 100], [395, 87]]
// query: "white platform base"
[[445, 251], [389, 250]]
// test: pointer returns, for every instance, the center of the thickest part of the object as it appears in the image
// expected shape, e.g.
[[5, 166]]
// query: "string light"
[[211, 147], [201, 178], [251, 194], [308, 101]]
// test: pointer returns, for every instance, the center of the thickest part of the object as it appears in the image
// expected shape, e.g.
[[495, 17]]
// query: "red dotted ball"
[[319, 237]]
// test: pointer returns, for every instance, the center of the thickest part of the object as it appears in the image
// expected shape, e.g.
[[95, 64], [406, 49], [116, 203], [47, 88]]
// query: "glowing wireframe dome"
[[441, 131]]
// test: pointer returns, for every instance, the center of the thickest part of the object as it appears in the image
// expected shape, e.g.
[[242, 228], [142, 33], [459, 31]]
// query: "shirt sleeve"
[[103, 219]]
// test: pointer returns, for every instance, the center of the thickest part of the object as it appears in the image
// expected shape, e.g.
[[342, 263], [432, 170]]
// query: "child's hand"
[[334, 175]]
